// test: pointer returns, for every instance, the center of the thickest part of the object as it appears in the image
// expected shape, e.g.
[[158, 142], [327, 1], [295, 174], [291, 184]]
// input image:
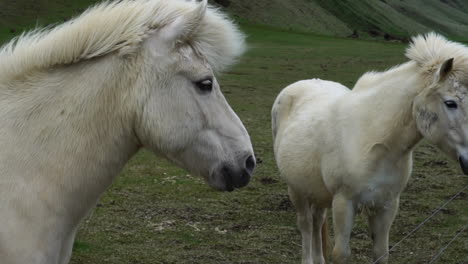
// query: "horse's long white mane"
[[428, 51], [432, 49], [119, 27]]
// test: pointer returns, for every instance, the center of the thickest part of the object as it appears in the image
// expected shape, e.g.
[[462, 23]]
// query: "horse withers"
[[78, 100], [352, 149]]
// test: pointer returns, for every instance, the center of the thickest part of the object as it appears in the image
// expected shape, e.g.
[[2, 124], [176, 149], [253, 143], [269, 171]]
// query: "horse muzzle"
[[233, 178], [463, 160]]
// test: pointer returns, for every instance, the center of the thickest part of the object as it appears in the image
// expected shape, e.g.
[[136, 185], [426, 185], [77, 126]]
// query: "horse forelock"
[[119, 27], [431, 50]]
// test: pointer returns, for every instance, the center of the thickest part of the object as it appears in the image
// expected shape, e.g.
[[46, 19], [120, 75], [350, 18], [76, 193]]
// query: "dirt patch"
[[268, 180], [436, 163], [242, 227], [448, 211], [278, 203], [461, 196]]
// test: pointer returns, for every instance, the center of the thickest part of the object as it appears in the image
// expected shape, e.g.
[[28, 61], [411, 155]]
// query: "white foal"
[[77, 101], [348, 149]]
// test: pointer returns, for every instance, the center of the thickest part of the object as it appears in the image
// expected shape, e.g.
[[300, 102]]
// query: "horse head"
[[184, 115], [441, 109]]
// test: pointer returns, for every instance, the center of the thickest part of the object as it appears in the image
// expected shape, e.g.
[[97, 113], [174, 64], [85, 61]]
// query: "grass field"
[[157, 213], [18, 15]]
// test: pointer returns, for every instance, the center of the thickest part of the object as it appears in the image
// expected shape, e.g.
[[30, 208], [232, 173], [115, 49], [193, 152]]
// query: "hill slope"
[[391, 19], [374, 18]]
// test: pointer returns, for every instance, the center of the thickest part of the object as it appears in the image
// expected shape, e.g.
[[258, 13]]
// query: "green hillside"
[[297, 15], [391, 19], [402, 18]]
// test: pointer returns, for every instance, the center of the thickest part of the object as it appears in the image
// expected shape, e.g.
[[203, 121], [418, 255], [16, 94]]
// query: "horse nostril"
[[250, 164]]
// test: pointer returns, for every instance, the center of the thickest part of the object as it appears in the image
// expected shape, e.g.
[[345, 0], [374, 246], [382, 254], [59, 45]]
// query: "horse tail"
[[325, 239], [280, 111]]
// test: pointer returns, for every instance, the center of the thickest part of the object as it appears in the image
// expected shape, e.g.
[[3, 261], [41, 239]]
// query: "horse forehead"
[[459, 87], [192, 50], [192, 59]]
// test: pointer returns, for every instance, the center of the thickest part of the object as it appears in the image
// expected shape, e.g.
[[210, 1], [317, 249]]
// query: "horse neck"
[[75, 129], [390, 118]]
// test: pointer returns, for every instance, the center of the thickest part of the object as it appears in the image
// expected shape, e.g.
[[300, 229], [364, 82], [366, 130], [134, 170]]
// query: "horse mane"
[[431, 50], [119, 27], [374, 78]]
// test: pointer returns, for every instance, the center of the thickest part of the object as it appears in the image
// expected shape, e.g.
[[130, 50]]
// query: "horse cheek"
[[425, 120]]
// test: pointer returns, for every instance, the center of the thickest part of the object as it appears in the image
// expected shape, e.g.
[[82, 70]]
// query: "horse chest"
[[384, 184]]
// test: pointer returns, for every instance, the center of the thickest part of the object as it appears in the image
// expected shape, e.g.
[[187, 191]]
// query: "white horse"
[[77, 101], [350, 149]]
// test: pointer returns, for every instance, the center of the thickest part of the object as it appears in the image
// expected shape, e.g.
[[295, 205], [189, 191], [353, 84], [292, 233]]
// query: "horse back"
[[303, 96]]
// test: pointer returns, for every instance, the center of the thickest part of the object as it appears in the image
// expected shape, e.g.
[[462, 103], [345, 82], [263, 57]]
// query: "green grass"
[[157, 213], [20, 15]]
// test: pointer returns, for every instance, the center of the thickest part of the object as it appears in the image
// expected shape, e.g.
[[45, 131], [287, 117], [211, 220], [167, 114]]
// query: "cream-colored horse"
[[77, 101], [349, 149]]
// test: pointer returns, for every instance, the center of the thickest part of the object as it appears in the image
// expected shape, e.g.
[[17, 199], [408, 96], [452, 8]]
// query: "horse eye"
[[205, 85], [451, 104]]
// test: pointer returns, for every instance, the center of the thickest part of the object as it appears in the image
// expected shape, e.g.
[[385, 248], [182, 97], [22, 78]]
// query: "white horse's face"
[[186, 118], [442, 114]]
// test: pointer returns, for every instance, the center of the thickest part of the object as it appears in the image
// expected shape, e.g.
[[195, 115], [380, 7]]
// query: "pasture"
[[157, 213]]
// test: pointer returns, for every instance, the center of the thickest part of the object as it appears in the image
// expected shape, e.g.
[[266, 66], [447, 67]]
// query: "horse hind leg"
[[304, 223], [319, 217], [343, 218], [380, 222]]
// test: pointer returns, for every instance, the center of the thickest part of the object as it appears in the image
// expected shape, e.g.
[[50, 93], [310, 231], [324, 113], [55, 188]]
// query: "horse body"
[[338, 160], [336, 117], [50, 181], [352, 150], [78, 101]]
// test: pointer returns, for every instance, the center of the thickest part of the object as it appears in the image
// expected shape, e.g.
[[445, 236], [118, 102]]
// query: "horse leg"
[[319, 216], [304, 223], [343, 217], [379, 223]]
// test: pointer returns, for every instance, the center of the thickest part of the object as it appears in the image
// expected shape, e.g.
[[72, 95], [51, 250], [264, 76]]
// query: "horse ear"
[[445, 69], [183, 26]]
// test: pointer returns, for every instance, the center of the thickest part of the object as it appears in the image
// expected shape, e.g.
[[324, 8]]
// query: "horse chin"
[[220, 182]]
